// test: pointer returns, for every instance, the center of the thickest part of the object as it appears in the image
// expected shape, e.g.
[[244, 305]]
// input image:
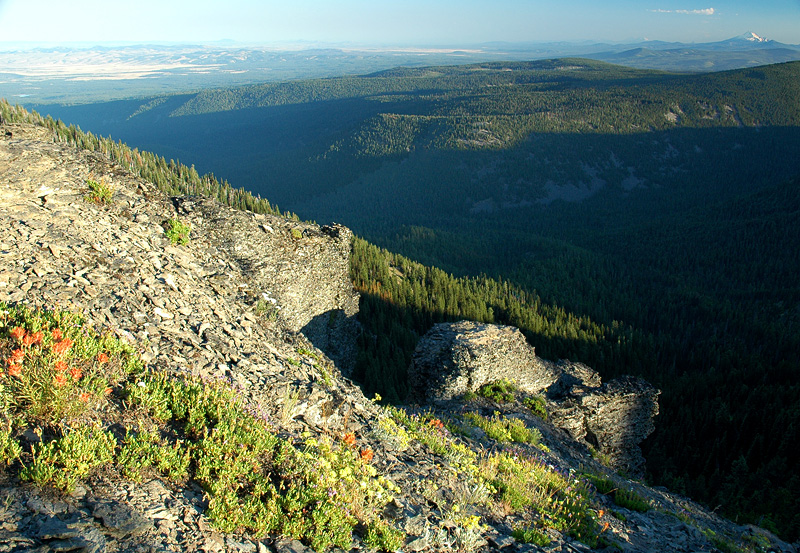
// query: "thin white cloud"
[[705, 11]]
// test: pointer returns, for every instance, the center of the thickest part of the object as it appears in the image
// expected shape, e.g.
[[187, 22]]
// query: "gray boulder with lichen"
[[453, 359]]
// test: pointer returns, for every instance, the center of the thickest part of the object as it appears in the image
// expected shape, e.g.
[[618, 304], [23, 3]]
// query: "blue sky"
[[396, 22]]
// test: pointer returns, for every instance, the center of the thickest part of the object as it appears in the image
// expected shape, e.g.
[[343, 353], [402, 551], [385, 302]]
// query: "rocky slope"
[[248, 300]]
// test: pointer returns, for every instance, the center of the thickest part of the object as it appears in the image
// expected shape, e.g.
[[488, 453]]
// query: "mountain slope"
[[653, 207], [188, 311]]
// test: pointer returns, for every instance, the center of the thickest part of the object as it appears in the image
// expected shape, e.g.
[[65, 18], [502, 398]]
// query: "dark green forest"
[[640, 222]]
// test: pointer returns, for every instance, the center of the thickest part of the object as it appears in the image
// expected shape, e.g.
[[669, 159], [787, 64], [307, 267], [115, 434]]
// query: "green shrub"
[[603, 485], [146, 449], [65, 461], [100, 192], [504, 429], [9, 447], [177, 231], [532, 535], [381, 535], [537, 405], [629, 499], [499, 391], [625, 498], [559, 501]]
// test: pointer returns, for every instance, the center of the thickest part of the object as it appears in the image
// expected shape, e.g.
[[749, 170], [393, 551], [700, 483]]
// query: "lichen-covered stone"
[[455, 358]]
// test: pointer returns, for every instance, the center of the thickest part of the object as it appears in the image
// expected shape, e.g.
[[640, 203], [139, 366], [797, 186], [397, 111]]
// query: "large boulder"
[[455, 358], [614, 418]]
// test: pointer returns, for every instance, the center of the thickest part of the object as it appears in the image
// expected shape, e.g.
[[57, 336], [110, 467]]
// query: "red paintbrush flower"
[[18, 333], [59, 348], [17, 356]]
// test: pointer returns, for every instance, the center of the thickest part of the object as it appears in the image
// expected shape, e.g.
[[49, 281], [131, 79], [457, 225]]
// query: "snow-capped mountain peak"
[[752, 37]]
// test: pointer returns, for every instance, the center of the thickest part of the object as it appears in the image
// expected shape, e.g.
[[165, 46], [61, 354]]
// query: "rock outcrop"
[[455, 358], [298, 270]]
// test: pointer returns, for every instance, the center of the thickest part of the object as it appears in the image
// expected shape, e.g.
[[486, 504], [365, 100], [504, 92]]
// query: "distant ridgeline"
[[636, 221]]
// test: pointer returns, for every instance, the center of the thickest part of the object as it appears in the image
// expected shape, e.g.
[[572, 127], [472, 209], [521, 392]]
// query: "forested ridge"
[[638, 221]]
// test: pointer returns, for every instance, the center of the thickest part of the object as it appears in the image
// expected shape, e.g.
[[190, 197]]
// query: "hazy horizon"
[[431, 23]]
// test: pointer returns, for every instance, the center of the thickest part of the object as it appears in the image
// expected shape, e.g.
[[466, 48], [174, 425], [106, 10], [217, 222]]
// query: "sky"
[[395, 22]]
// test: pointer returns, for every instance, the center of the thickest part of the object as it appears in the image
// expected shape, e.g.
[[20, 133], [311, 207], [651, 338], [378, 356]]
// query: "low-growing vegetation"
[[73, 385], [177, 231], [505, 429], [530, 534], [623, 497], [100, 192], [537, 405], [551, 498], [499, 391], [510, 481]]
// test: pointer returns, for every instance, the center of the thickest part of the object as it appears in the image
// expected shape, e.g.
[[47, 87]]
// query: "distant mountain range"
[[50, 74], [747, 50]]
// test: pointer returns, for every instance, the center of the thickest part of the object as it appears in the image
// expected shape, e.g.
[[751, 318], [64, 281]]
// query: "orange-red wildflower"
[[102, 358], [107, 391], [366, 455], [37, 337], [14, 370], [59, 380], [28, 340], [85, 397], [57, 334], [76, 373], [18, 333], [61, 366], [350, 438], [436, 423], [605, 527], [17, 356], [59, 348]]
